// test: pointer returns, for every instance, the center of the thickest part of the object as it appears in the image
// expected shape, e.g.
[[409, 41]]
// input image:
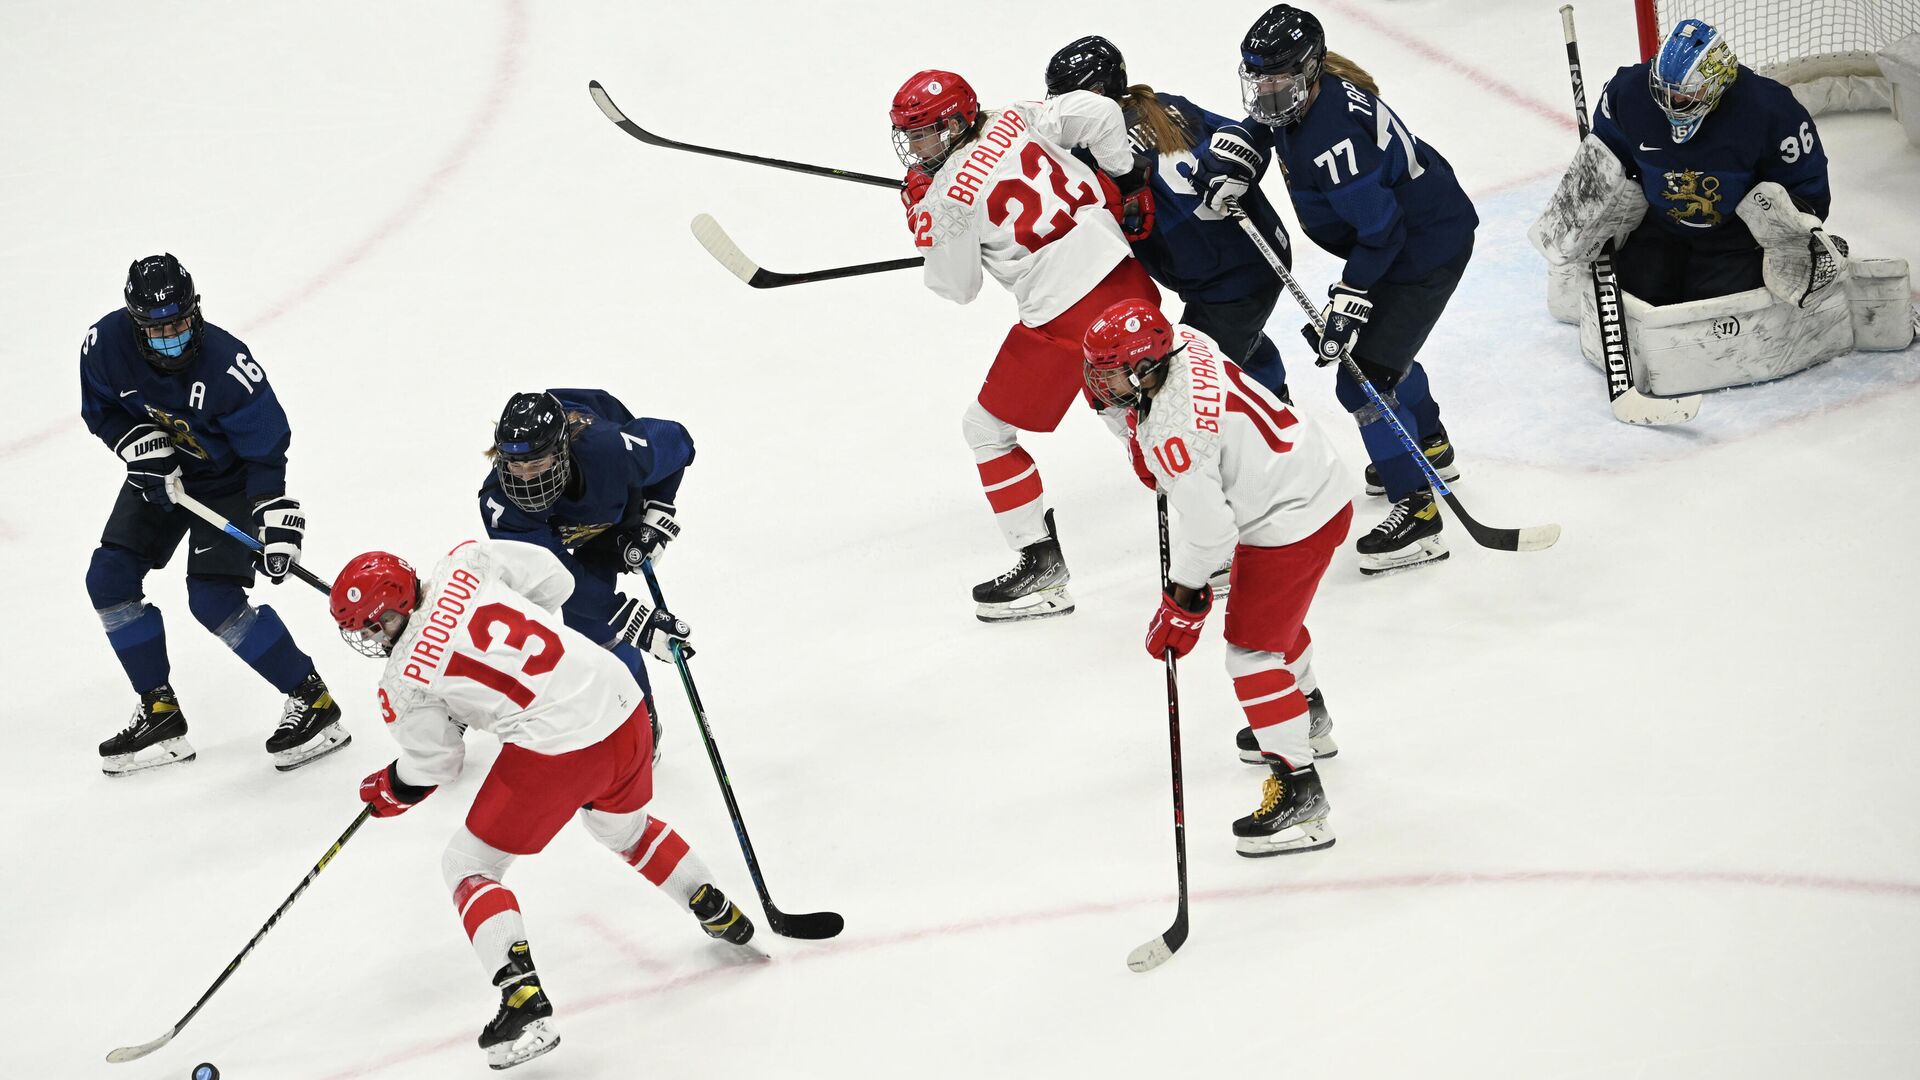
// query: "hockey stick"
[[1161, 949], [1629, 404], [132, 1053], [721, 247], [810, 925], [206, 513], [614, 114], [1532, 538]]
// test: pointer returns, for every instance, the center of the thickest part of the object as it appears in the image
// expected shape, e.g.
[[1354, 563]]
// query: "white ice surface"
[[1638, 806]]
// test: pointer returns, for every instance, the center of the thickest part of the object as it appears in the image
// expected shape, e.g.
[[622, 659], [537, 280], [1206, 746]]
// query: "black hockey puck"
[[205, 1071]]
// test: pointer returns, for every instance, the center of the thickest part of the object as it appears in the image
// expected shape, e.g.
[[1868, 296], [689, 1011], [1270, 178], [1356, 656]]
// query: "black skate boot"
[[309, 726], [521, 1030], [1292, 816], [719, 917], [1035, 588], [1439, 453], [1409, 536], [1319, 734], [157, 724]]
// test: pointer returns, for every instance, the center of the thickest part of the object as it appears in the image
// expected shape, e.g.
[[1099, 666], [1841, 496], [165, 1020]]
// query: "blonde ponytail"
[[1342, 68], [1157, 127]]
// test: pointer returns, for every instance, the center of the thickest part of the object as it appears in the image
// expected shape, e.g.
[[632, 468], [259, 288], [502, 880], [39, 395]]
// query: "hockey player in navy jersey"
[[1199, 253], [181, 400], [1698, 131], [577, 473], [1367, 191]]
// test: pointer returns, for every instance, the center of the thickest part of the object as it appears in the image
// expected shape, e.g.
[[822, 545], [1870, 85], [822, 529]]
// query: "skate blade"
[[1306, 836], [1323, 748], [175, 751], [1040, 605], [331, 738], [1430, 550], [537, 1039]]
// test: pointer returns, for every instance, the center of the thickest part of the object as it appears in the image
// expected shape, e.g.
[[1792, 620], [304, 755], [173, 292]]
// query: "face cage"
[[536, 493], [371, 641], [904, 138], [1101, 387], [160, 361], [1281, 102], [1687, 104]]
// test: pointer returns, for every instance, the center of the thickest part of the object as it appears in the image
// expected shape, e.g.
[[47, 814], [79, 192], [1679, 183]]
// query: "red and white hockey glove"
[[919, 222], [1175, 627], [1136, 206], [389, 795]]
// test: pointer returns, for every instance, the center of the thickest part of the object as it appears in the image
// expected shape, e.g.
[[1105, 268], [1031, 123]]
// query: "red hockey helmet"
[[1128, 340], [370, 587], [932, 113]]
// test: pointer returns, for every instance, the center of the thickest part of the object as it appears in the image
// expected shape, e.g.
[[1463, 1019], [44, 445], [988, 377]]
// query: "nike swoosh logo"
[[128, 393], [1696, 225], [204, 550], [1644, 146]]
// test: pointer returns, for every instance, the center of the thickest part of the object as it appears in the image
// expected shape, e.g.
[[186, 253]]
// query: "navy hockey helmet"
[[165, 312], [1280, 63], [531, 454], [1088, 63]]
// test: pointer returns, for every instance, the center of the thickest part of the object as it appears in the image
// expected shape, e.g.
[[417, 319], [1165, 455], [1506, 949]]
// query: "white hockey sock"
[[1275, 707], [1008, 476], [491, 915], [1301, 666]]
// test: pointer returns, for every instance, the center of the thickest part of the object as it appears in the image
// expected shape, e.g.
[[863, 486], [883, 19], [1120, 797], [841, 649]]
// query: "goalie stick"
[[614, 114], [1531, 538], [721, 247], [1629, 404], [1161, 949]]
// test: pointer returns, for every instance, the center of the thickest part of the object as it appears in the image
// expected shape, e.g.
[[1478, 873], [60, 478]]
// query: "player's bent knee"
[[985, 431], [218, 604], [114, 576], [616, 832], [469, 856]]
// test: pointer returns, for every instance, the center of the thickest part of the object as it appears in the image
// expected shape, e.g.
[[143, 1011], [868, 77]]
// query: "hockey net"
[[1825, 50]]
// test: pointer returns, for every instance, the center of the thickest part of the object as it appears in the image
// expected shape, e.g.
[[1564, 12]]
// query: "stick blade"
[[606, 104], [1634, 407], [1537, 538], [807, 926], [1160, 949], [723, 249], [134, 1053]]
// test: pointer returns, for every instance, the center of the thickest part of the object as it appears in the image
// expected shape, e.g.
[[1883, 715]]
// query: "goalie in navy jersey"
[[1698, 131], [183, 402], [575, 472], [1189, 247], [1364, 189]]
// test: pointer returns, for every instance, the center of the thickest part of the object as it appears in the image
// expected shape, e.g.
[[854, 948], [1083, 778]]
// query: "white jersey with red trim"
[[1017, 203], [486, 648], [1238, 464]]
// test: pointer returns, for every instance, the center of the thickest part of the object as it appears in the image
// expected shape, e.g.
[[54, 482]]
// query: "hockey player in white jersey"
[[1250, 478], [481, 644], [999, 192]]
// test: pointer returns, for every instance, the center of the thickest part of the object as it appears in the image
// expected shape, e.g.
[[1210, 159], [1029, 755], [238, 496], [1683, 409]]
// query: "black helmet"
[[160, 293], [1280, 61], [1088, 63], [531, 452]]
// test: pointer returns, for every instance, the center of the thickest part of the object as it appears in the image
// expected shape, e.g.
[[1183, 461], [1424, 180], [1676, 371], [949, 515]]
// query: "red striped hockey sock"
[[491, 915], [1012, 483]]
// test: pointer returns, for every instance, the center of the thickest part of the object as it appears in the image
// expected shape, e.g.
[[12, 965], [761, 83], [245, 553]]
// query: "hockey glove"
[[919, 222], [634, 623], [657, 526], [1225, 170], [1343, 317], [148, 452], [1825, 267], [1136, 201], [279, 525], [1176, 627], [389, 795]]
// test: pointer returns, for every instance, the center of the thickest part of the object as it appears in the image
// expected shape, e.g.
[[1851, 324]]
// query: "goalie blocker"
[[1817, 303]]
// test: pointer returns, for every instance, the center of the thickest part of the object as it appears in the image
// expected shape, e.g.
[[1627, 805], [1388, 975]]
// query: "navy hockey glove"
[[279, 524], [634, 623], [657, 526], [1343, 316], [1136, 206], [148, 452], [1225, 170]]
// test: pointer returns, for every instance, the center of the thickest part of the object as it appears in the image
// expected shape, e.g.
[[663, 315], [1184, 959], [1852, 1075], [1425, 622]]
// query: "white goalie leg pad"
[[1566, 284], [1724, 341], [1880, 298], [1594, 203], [1800, 263]]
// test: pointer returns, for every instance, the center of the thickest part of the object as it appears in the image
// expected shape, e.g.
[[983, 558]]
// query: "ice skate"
[[522, 1030], [1408, 537], [1292, 817], [309, 727], [1035, 588], [156, 736], [1319, 734], [719, 917], [1439, 453]]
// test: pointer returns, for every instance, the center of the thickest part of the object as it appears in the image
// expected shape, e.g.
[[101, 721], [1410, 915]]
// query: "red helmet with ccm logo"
[[928, 101], [369, 586], [1132, 337]]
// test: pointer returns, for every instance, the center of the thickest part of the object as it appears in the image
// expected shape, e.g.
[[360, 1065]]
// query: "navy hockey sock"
[[1399, 474], [1415, 393], [255, 634], [134, 628]]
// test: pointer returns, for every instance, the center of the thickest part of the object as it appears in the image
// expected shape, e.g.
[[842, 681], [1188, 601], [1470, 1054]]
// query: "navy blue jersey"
[[228, 428], [1757, 132], [1192, 250], [1366, 190], [620, 464]]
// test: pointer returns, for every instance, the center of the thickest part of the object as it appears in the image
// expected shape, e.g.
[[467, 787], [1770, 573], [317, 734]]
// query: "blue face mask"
[[170, 346]]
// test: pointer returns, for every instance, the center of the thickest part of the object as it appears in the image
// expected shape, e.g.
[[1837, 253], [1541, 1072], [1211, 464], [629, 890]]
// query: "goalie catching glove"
[[655, 630], [1799, 262]]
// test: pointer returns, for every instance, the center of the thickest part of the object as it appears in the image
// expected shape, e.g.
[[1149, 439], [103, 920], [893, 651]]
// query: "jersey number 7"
[[519, 629]]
